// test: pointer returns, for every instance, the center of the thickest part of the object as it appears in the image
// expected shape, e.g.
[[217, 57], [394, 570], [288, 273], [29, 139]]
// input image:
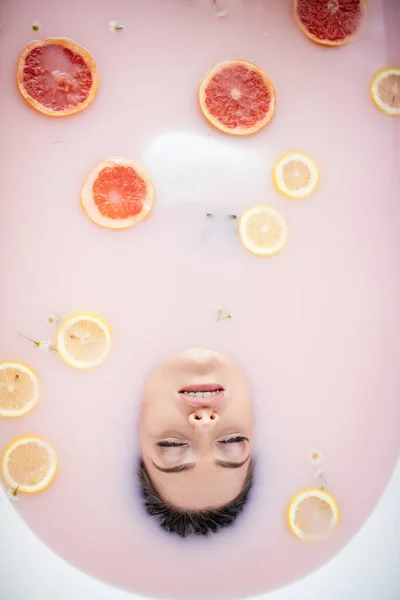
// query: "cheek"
[[156, 409], [162, 419], [240, 411]]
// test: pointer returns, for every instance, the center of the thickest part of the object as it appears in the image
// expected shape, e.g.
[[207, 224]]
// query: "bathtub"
[[366, 563]]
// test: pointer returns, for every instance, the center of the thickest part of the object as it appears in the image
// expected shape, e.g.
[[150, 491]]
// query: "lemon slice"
[[312, 515], [84, 341], [19, 389], [385, 91], [296, 175], [263, 230], [29, 464]]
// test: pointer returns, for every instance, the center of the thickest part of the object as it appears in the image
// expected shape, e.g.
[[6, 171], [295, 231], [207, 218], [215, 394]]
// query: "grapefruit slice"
[[296, 175], [385, 91], [313, 515], [263, 230], [84, 341], [117, 194], [57, 77], [19, 389], [329, 22], [29, 464], [237, 97]]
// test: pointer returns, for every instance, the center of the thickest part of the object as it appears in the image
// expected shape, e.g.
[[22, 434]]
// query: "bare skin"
[[196, 429]]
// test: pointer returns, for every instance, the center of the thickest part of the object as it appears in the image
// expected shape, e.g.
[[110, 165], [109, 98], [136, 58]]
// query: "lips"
[[202, 394], [202, 387]]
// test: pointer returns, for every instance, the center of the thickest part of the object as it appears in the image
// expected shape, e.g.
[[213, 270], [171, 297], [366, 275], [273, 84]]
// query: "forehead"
[[205, 486]]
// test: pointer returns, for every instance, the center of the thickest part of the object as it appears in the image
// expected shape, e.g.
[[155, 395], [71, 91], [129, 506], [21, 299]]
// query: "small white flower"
[[12, 495], [52, 320], [36, 26], [220, 12], [46, 345], [115, 26], [316, 457], [220, 316], [320, 476]]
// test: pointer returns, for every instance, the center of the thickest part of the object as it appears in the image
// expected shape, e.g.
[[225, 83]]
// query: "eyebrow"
[[231, 465], [177, 469], [187, 466]]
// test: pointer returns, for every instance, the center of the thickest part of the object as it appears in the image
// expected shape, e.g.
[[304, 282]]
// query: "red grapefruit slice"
[[57, 77], [329, 22], [117, 194], [237, 97]]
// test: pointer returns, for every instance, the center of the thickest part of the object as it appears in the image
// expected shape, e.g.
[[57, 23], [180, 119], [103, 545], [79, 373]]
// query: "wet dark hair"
[[187, 522]]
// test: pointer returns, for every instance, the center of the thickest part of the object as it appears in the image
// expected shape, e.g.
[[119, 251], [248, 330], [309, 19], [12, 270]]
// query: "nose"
[[203, 419]]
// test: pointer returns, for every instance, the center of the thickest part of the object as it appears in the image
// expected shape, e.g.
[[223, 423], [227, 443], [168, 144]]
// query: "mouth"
[[202, 394]]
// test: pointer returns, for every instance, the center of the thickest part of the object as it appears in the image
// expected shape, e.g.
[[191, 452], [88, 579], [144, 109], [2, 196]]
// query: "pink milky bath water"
[[316, 327]]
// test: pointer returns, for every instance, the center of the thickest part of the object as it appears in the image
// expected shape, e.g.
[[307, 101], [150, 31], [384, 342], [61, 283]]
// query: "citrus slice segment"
[[296, 175], [237, 97], [29, 464], [263, 230], [57, 77], [329, 22], [312, 515], [117, 194], [19, 389], [84, 341], [385, 91]]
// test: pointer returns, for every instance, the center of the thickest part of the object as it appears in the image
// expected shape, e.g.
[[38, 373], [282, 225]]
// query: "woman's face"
[[196, 429]]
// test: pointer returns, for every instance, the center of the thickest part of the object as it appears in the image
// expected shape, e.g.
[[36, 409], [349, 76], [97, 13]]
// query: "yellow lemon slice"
[[84, 341], [385, 91], [29, 464], [263, 230], [19, 389], [312, 515], [296, 175]]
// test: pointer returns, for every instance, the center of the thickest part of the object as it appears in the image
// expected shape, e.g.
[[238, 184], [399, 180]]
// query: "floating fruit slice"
[[312, 515], [329, 22], [237, 97], [84, 341], [19, 389], [117, 194], [263, 230], [57, 77], [296, 175], [385, 91], [29, 465]]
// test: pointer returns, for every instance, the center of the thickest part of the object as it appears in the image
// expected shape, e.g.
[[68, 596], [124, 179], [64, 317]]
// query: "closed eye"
[[170, 444], [234, 440]]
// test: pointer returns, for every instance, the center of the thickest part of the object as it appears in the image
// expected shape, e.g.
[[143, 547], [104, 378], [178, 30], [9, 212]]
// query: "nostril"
[[203, 418]]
